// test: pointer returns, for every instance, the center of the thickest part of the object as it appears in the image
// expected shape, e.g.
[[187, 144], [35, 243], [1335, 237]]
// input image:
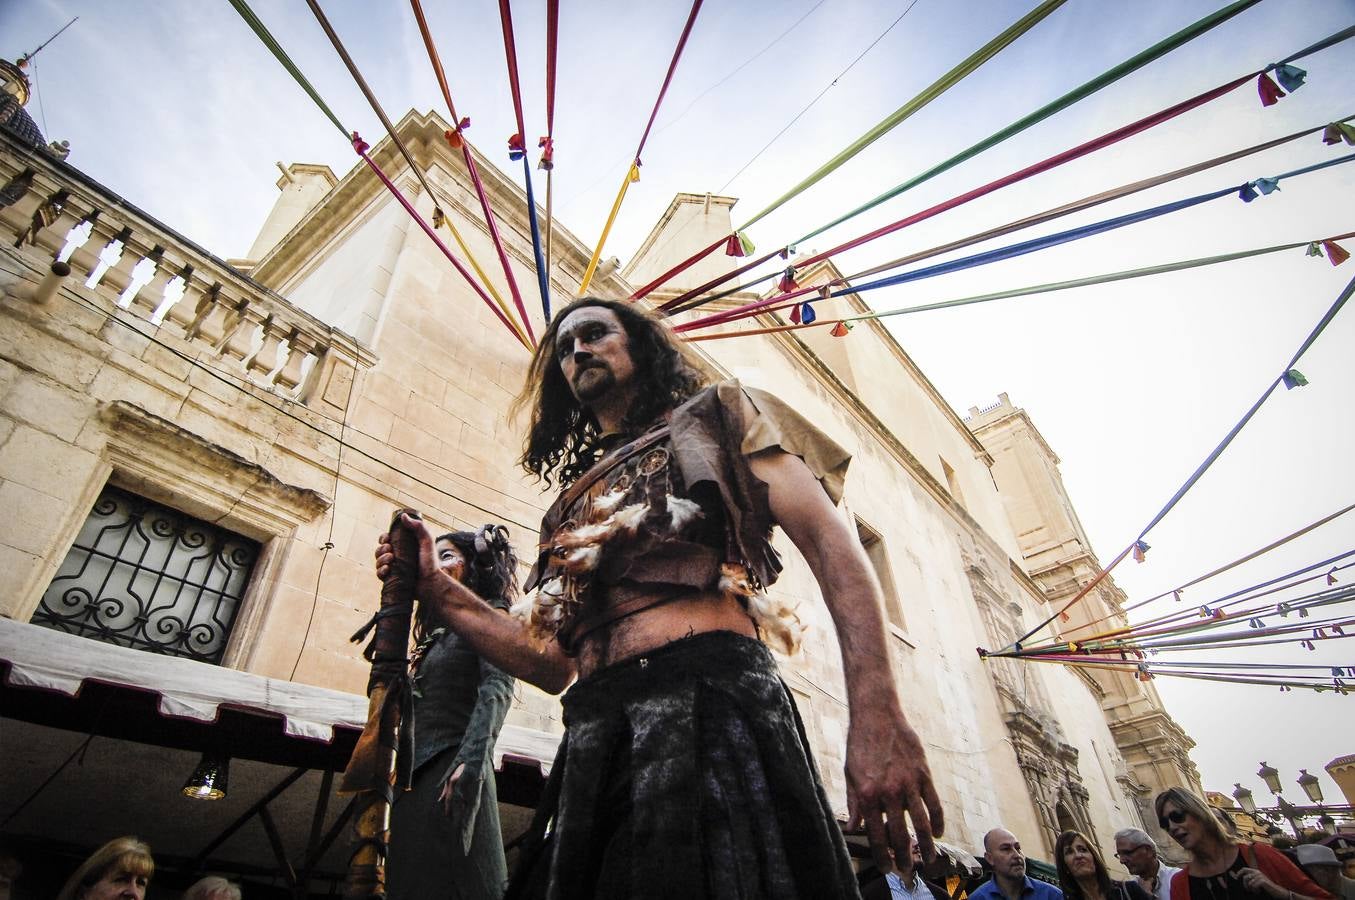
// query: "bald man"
[[1010, 881]]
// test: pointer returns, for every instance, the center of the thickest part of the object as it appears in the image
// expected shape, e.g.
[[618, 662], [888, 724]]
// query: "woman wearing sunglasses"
[[1220, 868]]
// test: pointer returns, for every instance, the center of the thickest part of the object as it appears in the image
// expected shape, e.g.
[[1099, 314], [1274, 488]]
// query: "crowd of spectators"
[[1218, 866]]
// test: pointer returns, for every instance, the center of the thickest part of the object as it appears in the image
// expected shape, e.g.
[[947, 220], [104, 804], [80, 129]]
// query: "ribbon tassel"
[[1336, 254], [841, 329], [739, 245], [547, 147], [453, 135], [1140, 550], [1337, 132], [1290, 77], [1270, 91], [1293, 378]]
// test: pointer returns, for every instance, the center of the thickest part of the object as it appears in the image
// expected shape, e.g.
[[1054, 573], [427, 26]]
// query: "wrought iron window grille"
[[145, 576]]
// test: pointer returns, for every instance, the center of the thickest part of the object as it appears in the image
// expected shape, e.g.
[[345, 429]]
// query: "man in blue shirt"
[[1010, 881]]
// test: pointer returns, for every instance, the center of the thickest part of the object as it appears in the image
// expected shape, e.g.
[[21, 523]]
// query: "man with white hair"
[[1319, 863], [1137, 852], [213, 887]]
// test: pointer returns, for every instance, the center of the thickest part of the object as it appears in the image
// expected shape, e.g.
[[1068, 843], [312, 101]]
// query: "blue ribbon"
[[1290, 77], [542, 276], [1053, 240]]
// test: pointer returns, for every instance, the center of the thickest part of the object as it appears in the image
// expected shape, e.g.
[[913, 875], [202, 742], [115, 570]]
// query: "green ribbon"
[[1081, 282], [936, 89], [1109, 77], [262, 32]]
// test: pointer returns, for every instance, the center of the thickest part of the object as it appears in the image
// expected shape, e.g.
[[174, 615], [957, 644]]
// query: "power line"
[[819, 97]]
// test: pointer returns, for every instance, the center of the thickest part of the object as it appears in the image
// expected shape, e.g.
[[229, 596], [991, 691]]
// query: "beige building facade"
[[294, 399]]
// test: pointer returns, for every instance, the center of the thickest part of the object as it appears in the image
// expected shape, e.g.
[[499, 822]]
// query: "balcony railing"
[[133, 262]]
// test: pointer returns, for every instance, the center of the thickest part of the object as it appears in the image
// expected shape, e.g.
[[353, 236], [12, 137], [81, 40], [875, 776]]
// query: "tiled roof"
[[16, 120]]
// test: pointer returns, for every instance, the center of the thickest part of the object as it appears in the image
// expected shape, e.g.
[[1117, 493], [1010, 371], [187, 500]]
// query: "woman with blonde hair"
[[1083, 874], [119, 870], [1220, 868]]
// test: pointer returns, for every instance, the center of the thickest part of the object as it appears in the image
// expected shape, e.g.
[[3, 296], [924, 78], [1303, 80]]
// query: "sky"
[[179, 108]]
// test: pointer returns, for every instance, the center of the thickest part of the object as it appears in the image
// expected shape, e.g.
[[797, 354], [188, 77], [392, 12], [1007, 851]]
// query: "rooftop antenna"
[[23, 60]]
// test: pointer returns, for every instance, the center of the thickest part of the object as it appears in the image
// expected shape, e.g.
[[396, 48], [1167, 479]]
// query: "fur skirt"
[[685, 773]]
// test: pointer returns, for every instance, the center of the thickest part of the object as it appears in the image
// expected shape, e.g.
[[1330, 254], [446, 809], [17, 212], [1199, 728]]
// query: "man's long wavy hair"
[[563, 433]]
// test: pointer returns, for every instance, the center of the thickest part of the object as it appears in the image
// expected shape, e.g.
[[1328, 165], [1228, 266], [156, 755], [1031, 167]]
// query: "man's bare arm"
[[495, 635], [886, 767]]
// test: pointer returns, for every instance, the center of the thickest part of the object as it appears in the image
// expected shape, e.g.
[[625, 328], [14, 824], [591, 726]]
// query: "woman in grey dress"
[[445, 838]]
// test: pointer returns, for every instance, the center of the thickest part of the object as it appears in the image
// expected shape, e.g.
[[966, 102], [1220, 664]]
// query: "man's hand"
[[432, 580], [887, 770], [887, 774]]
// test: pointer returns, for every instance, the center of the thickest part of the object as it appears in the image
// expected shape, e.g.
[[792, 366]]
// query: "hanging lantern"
[[208, 781]]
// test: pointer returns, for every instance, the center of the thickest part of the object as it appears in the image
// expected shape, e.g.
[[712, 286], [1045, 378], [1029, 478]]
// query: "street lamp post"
[[1283, 809], [1271, 777], [1310, 786], [1244, 799]]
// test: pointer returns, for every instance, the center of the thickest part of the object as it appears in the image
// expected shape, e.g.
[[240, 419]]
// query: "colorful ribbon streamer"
[[361, 148], [1176, 591], [456, 138], [438, 216], [517, 150], [1045, 165], [990, 256], [547, 143], [774, 303], [1106, 78], [1030, 290], [1081, 92], [1218, 450], [928, 94], [889, 123], [266, 37]]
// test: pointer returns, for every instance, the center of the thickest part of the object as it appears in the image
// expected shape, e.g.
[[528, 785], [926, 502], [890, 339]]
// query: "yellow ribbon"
[[444, 219], [632, 175]]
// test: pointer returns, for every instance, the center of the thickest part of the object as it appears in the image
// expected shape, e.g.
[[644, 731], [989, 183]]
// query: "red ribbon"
[[1270, 91], [361, 147]]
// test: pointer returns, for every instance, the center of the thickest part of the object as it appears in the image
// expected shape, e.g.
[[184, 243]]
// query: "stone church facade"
[[286, 403]]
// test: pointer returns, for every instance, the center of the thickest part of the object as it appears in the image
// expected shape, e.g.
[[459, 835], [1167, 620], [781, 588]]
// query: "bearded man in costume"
[[685, 771]]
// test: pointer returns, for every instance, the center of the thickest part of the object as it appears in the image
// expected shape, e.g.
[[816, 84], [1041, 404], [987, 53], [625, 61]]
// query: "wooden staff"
[[370, 768]]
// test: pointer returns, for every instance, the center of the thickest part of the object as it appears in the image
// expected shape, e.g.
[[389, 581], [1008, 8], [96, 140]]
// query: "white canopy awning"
[[43, 658]]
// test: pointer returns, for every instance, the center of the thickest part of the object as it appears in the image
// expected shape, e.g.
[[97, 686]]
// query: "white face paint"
[[593, 351], [450, 560]]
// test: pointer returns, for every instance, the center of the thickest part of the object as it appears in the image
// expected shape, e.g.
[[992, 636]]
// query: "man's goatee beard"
[[596, 387]]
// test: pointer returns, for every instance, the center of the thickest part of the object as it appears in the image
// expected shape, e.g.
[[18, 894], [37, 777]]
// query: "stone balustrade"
[[132, 262]]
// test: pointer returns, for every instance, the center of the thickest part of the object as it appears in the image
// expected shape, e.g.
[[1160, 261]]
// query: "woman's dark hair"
[[563, 433], [491, 569], [1071, 889]]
